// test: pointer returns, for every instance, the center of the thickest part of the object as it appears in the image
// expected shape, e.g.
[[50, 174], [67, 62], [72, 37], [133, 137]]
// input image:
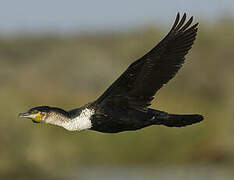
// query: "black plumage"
[[143, 78], [124, 105]]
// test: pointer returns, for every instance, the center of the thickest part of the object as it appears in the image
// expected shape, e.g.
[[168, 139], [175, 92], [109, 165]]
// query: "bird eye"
[[34, 111]]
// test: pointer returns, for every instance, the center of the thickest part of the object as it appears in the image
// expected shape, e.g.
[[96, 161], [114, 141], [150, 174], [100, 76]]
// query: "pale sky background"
[[86, 15]]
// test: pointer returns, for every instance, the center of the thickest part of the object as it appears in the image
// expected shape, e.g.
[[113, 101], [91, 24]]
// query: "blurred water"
[[154, 173]]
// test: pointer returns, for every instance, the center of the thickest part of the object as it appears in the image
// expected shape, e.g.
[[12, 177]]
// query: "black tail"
[[177, 120]]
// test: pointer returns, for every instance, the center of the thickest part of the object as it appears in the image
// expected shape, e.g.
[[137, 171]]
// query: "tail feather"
[[177, 120]]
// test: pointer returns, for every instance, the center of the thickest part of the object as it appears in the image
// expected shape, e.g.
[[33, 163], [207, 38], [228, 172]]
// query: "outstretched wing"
[[137, 86]]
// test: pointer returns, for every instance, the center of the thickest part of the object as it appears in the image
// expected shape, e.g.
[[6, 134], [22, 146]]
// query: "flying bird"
[[124, 106]]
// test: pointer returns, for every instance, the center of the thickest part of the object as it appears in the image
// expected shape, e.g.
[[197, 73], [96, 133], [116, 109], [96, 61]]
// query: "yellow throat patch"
[[38, 117]]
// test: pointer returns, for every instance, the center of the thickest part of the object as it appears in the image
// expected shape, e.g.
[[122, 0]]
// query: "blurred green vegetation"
[[69, 71]]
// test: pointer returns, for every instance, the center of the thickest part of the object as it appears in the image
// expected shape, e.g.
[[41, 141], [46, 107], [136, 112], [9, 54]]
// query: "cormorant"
[[124, 105]]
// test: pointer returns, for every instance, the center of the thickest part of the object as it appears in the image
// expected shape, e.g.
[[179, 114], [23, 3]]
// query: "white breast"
[[81, 122]]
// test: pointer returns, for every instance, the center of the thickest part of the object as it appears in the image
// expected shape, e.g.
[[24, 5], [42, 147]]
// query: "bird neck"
[[57, 117], [79, 122]]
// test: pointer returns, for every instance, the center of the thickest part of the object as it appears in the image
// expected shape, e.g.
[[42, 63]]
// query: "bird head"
[[58, 117], [46, 114], [37, 114]]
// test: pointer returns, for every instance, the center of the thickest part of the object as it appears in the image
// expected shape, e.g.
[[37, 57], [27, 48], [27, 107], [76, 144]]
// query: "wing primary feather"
[[176, 21], [187, 24], [192, 27], [181, 22]]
